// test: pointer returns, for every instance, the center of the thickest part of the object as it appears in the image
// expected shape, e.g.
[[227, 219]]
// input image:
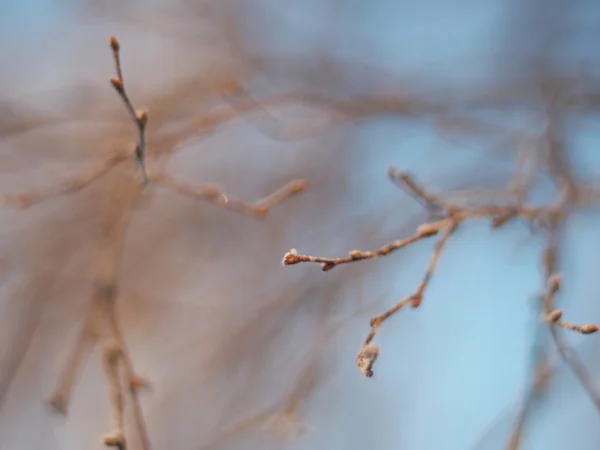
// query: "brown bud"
[[428, 229], [553, 316], [366, 358], [416, 300], [117, 84], [115, 440], [290, 258], [355, 254], [554, 283], [142, 117], [114, 44], [327, 266], [588, 329]]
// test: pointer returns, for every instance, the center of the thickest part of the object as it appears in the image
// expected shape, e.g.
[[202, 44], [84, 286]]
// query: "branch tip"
[[290, 258], [588, 329], [366, 358], [114, 44]]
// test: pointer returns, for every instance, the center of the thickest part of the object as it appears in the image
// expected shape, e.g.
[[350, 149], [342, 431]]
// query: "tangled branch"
[[451, 218], [102, 324]]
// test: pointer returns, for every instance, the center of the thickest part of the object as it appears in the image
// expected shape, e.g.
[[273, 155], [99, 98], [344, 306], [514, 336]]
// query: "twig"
[[102, 318], [139, 118], [292, 257], [452, 217], [368, 354], [134, 382], [566, 352], [69, 186], [214, 195], [112, 355], [409, 185], [86, 341]]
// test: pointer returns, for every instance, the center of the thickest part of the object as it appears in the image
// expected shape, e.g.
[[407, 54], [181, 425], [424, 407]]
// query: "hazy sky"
[[449, 369]]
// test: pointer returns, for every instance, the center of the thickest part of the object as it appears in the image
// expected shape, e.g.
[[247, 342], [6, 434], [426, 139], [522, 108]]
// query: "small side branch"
[[112, 356], [292, 257], [139, 118], [405, 181], [86, 342], [69, 186], [214, 195], [368, 354]]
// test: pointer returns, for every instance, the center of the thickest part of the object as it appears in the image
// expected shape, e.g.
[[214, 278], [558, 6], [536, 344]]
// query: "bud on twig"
[[366, 358]]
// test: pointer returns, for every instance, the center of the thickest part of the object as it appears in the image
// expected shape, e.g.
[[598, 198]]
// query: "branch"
[[69, 186], [214, 195], [139, 118], [112, 355], [451, 218], [369, 351]]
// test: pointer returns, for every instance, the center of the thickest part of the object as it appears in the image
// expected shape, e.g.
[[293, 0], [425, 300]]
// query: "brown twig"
[[69, 186], [112, 355], [292, 257], [214, 195], [405, 180], [86, 341], [139, 118], [452, 217], [102, 318]]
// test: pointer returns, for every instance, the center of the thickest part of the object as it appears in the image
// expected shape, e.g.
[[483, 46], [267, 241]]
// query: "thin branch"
[[406, 181], [214, 195], [84, 345], [139, 118], [69, 186], [566, 352], [369, 351], [292, 257], [112, 355], [134, 382], [452, 217]]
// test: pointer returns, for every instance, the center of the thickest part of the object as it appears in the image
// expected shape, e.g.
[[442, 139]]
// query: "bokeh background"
[[450, 91]]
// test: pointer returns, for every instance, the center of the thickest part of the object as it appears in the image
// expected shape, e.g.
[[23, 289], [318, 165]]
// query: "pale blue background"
[[458, 364]]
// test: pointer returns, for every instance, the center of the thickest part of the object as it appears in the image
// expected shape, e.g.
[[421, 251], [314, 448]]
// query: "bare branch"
[[292, 257], [112, 355], [410, 186], [71, 185], [139, 118], [214, 195]]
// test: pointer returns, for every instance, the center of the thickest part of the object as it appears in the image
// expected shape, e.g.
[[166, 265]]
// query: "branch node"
[[416, 300], [117, 83]]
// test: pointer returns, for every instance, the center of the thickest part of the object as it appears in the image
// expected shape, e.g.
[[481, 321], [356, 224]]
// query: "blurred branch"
[[453, 216], [102, 321]]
